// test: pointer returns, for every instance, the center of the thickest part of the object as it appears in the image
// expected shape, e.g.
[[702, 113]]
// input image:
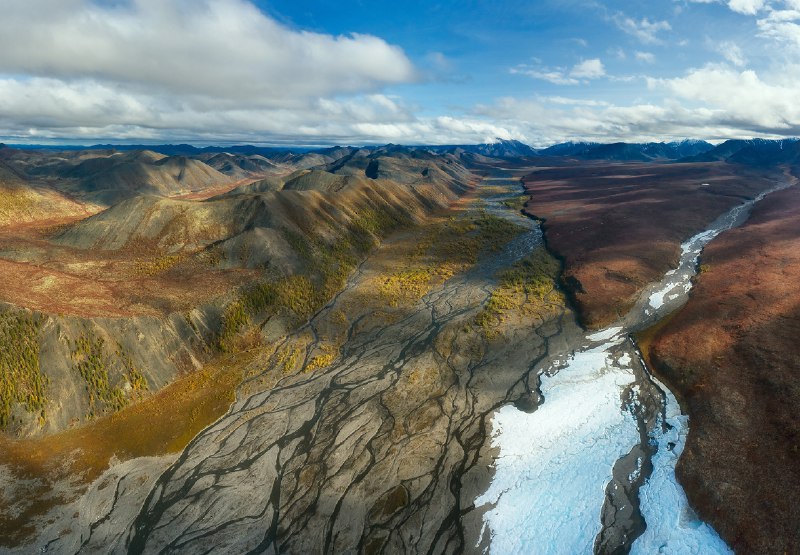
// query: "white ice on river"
[[554, 464], [604, 335], [548, 490], [672, 526]]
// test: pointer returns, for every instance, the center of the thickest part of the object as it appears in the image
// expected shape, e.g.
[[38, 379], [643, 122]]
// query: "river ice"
[[672, 526], [554, 464]]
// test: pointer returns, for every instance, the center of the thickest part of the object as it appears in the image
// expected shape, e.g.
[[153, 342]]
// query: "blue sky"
[[289, 72]]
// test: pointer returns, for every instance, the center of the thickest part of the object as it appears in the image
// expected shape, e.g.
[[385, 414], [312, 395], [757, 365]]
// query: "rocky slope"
[[618, 227], [107, 177], [732, 354], [143, 290], [22, 203], [141, 326], [366, 428]]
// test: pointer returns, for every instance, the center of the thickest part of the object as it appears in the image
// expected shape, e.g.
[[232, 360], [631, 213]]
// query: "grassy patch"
[[286, 358], [14, 202], [406, 285], [516, 203], [445, 249], [528, 288], [327, 354], [150, 268]]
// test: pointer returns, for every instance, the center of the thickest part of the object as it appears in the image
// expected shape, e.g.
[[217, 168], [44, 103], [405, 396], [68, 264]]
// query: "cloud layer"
[[151, 68], [220, 49], [223, 70]]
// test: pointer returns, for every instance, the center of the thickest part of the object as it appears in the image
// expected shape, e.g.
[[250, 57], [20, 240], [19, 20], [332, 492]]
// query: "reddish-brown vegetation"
[[618, 227], [40, 275], [733, 355]]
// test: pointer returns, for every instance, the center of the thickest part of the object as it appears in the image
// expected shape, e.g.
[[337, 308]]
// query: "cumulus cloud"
[[646, 57], [44, 108], [732, 53], [588, 69], [225, 49], [782, 26], [747, 7], [643, 29], [584, 70], [758, 104], [181, 68], [222, 70]]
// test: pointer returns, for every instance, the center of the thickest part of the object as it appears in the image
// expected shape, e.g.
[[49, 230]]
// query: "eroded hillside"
[[155, 291], [152, 287]]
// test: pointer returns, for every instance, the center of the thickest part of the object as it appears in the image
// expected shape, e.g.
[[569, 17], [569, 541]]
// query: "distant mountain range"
[[759, 152], [642, 152], [751, 151]]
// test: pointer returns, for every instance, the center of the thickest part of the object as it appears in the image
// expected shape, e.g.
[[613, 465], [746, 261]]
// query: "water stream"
[[592, 469]]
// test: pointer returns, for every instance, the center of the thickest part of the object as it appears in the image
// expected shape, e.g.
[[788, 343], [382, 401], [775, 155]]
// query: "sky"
[[316, 73]]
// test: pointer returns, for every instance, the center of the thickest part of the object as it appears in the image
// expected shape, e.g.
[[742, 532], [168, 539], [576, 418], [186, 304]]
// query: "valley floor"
[[370, 427]]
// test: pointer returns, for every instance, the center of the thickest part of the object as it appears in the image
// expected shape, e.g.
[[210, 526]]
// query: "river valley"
[[410, 416]]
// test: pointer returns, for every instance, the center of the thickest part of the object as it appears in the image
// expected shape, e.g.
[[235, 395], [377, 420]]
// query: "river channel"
[[423, 435], [592, 469]]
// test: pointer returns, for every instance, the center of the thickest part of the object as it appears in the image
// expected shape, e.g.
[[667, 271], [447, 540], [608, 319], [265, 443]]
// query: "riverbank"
[[618, 227], [732, 354]]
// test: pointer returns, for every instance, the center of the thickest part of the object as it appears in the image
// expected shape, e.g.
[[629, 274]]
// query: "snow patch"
[[604, 335]]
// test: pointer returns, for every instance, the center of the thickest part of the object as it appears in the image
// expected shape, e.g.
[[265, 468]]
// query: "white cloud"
[[697, 105], [646, 57], [221, 70], [43, 108], [782, 26], [545, 124], [645, 30], [555, 76], [573, 101], [732, 53], [747, 7], [757, 104], [588, 69], [186, 68], [225, 49], [584, 70]]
